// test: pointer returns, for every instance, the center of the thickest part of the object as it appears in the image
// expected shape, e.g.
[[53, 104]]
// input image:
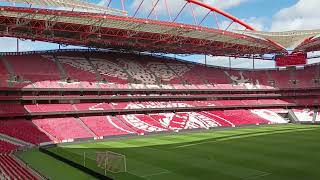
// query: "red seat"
[[24, 130], [13, 169], [63, 128], [104, 126]]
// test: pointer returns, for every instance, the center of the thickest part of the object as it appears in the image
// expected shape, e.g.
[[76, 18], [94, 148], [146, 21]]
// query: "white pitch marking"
[[240, 136], [258, 176]]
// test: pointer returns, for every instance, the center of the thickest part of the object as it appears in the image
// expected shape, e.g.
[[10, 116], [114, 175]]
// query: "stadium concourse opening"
[[122, 108]]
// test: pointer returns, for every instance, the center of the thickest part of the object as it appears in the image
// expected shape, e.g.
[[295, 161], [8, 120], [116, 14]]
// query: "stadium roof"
[[289, 39], [74, 4], [90, 25]]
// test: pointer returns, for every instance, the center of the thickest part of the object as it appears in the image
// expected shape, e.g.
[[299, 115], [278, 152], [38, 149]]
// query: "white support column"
[[205, 60], [17, 44], [253, 64]]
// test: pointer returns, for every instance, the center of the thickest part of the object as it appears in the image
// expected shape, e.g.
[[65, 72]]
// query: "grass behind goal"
[[273, 152], [99, 160]]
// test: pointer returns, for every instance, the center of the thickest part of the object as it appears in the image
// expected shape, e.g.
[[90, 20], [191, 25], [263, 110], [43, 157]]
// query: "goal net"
[[111, 161]]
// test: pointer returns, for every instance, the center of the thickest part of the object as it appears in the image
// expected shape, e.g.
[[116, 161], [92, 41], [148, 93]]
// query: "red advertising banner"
[[291, 59]]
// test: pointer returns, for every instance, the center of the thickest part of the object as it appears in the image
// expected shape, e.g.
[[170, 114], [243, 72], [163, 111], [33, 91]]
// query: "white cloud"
[[301, 16], [103, 2], [225, 4], [257, 22]]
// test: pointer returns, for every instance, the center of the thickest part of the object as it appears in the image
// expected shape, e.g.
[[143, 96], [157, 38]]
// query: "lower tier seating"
[[105, 126], [67, 129], [218, 120], [24, 130], [13, 170], [139, 125], [185, 120], [239, 117], [271, 115], [147, 119], [63, 128], [6, 147], [11, 109], [317, 119], [304, 115]]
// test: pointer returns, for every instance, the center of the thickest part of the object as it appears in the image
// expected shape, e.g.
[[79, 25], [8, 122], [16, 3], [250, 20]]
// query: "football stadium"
[[156, 89]]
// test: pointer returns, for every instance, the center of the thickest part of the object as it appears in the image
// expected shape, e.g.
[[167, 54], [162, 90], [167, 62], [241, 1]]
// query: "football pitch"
[[282, 152]]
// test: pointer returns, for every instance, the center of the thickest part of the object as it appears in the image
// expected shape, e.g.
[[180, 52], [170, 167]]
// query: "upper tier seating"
[[24, 130], [33, 69], [281, 78], [4, 75], [62, 128], [70, 64], [161, 70], [115, 70], [306, 76], [73, 72], [13, 170]]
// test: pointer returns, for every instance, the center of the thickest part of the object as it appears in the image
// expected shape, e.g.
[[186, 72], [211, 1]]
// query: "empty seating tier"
[[121, 71], [24, 130], [6, 147], [62, 128], [13, 170], [103, 126]]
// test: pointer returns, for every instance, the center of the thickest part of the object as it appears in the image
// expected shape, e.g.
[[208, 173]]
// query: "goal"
[[111, 161]]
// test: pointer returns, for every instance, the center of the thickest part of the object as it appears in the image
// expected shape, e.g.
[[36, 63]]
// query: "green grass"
[[50, 167], [286, 152]]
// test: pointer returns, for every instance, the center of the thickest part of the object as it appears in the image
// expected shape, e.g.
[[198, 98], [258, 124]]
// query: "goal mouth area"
[[101, 163]]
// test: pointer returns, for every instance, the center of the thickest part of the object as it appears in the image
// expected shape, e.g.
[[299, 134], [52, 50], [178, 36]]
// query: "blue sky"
[[260, 8], [266, 15]]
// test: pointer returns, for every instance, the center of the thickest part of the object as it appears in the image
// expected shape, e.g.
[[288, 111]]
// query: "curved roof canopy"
[[73, 4], [105, 31], [74, 22], [290, 40]]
